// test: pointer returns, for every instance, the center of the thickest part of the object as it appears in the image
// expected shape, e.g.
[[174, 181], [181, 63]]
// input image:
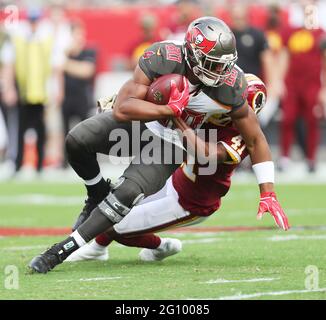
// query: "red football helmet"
[[257, 93]]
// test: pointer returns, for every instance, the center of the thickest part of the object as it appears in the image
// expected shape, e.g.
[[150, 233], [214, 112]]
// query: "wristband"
[[264, 172]]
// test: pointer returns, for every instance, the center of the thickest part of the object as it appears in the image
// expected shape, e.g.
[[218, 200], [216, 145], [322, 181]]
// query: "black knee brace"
[[118, 203]]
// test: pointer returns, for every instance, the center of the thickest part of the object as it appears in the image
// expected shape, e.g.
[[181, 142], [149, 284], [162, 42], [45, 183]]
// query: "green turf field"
[[269, 264]]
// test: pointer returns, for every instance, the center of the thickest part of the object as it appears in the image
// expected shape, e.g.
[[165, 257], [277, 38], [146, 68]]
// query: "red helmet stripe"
[[196, 37]]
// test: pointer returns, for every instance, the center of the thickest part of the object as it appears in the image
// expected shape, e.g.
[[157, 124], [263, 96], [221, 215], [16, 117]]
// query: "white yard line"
[[271, 293], [41, 199], [260, 294], [219, 281], [204, 240], [23, 248], [90, 279], [292, 237], [297, 212], [198, 234]]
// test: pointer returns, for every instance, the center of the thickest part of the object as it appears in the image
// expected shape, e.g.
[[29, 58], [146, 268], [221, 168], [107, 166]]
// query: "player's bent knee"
[[119, 202], [128, 192], [73, 146]]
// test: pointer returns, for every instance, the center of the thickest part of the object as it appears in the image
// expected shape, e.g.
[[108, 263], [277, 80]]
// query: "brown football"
[[159, 90]]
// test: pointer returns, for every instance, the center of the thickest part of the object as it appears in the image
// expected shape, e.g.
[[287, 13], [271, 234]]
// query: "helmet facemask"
[[210, 70]]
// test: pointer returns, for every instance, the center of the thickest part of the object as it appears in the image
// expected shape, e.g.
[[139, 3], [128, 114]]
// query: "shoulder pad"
[[233, 93], [163, 58]]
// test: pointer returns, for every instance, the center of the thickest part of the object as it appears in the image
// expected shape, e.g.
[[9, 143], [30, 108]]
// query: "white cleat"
[[90, 251], [168, 247]]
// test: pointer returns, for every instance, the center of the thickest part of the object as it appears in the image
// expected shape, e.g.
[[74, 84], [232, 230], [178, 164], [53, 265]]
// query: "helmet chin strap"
[[198, 74], [205, 80]]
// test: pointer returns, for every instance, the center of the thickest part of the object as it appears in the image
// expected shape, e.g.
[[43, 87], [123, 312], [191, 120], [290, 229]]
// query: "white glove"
[[105, 104]]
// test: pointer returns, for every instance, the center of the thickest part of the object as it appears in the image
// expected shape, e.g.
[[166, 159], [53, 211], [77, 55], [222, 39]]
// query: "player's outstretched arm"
[[212, 151], [131, 105], [247, 123]]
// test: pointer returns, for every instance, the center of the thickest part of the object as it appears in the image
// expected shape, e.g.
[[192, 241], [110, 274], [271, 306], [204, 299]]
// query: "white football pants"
[[157, 212]]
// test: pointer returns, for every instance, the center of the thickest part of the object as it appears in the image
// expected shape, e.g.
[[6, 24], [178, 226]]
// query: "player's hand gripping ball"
[[171, 90]]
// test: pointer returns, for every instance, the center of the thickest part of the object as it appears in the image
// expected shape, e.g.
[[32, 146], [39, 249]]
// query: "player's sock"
[[78, 238], [149, 241], [103, 239], [97, 188], [96, 193], [162, 244]]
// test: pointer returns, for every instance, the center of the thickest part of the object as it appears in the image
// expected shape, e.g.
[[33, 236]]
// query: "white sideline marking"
[[260, 294], [272, 293], [295, 211], [204, 240], [218, 281], [192, 233], [25, 248], [296, 237], [41, 199], [90, 279]]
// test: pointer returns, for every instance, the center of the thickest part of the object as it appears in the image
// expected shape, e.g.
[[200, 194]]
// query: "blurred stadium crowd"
[[58, 57]]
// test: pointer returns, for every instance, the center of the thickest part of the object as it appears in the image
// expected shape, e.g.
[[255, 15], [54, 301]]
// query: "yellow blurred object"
[[301, 41], [274, 40], [33, 67]]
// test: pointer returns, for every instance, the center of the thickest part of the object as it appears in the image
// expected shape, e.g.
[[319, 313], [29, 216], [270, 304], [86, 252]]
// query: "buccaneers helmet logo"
[[196, 37]]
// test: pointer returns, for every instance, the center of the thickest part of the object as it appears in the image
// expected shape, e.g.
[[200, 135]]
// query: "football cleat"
[[47, 260], [170, 247], [91, 251]]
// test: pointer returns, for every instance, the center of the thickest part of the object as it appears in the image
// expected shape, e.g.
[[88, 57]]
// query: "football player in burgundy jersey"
[[207, 60], [186, 198]]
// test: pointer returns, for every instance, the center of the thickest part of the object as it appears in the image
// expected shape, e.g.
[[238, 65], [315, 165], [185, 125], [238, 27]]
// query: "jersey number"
[[192, 118], [173, 53], [237, 142]]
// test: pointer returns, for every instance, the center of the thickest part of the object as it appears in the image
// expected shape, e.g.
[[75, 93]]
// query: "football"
[[159, 90]]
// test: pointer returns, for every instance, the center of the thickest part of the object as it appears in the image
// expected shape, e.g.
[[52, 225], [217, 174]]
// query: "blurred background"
[[58, 57]]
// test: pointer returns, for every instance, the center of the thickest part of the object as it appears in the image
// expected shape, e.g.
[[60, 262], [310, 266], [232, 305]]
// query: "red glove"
[[269, 203], [179, 100]]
